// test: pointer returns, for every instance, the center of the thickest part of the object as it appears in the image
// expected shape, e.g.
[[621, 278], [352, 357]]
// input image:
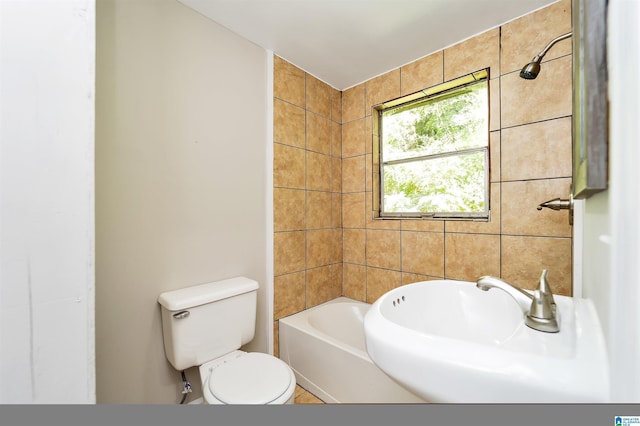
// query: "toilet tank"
[[203, 322]]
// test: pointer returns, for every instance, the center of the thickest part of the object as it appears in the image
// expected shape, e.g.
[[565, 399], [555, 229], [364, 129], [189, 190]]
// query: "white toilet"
[[205, 325]]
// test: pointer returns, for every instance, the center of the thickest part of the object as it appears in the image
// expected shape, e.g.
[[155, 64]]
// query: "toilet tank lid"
[[201, 294]]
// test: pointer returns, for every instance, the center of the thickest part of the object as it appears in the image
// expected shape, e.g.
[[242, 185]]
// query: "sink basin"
[[447, 341]]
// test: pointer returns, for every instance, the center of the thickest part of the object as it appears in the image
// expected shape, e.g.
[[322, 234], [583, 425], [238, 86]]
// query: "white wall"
[[612, 227], [624, 202], [46, 202], [181, 182]]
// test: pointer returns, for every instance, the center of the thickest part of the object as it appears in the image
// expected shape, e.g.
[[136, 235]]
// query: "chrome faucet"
[[521, 296], [558, 204], [538, 306]]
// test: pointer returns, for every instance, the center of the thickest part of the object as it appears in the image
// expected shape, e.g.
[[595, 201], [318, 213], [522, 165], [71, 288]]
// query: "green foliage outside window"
[[434, 154]]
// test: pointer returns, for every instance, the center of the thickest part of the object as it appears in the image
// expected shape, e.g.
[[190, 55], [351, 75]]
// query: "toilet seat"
[[248, 378]]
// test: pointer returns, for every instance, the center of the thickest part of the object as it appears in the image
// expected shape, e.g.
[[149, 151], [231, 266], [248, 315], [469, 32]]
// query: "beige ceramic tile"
[[318, 133], [318, 210], [288, 124], [336, 242], [288, 82], [353, 138], [353, 210], [276, 339], [537, 151], [336, 210], [368, 172], [318, 172], [422, 225], [381, 89], [370, 135], [377, 223], [524, 38], [476, 53], [289, 252], [336, 280], [423, 73], [307, 398], [288, 166], [288, 294], [423, 253], [495, 153], [351, 279], [318, 97], [336, 174], [319, 247], [355, 282], [353, 103], [380, 281], [336, 140], [520, 215], [494, 104], [354, 246], [353, 178], [548, 96], [336, 105], [470, 256], [287, 205], [319, 289], [299, 391], [383, 248], [524, 259], [409, 278]]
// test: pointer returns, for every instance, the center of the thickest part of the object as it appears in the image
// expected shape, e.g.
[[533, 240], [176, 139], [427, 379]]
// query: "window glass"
[[434, 151]]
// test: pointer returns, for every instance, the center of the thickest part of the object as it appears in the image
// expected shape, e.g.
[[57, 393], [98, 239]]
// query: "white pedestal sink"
[[449, 342]]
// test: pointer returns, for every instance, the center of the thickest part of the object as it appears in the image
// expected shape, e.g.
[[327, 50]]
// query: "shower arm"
[[540, 55]]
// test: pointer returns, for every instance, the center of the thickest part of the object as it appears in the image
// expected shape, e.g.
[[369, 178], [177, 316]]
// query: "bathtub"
[[325, 347]]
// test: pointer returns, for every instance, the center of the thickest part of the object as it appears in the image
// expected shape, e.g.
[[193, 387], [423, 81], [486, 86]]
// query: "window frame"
[[431, 93]]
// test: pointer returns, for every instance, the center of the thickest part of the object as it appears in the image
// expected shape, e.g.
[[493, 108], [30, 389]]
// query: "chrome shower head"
[[531, 70]]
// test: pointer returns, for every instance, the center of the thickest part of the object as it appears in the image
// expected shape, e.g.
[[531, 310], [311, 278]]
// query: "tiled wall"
[[307, 191], [530, 143]]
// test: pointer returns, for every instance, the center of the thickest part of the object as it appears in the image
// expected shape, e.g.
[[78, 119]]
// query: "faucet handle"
[[543, 284], [540, 306], [545, 289], [542, 314]]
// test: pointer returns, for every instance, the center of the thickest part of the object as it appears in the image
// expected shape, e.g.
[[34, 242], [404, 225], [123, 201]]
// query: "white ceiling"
[[346, 42]]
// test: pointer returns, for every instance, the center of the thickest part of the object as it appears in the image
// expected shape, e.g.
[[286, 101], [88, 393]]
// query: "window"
[[433, 151]]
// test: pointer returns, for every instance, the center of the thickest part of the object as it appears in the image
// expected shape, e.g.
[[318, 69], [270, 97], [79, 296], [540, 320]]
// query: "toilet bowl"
[[247, 378]]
